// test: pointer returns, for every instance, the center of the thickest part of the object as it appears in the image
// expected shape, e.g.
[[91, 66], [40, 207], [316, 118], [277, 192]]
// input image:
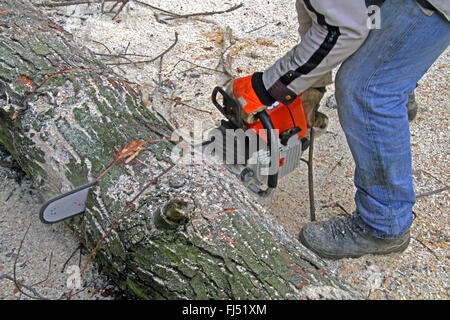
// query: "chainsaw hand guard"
[[230, 108]]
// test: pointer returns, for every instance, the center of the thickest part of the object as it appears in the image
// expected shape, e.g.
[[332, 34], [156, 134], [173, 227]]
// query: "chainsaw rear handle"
[[267, 124], [234, 116]]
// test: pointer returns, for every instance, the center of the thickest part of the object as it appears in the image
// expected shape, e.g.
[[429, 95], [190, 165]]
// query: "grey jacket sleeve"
[[337, 29], [443, 6]]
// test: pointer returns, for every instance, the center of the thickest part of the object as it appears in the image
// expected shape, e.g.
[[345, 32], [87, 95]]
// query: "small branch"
[[425, 194], [36, 88], [69, 3], [155, 8], [336, 204], [312, 208], [127, 154], [173, 16], [178, 101], [226, 38], [198, 66], [426, 247], [103, 45], [210, 13], [124, 3], [18, 285], [337, 164], [48, 271], [70, 257], [429, 174], [151, 60], [37, 295], [258, 28]]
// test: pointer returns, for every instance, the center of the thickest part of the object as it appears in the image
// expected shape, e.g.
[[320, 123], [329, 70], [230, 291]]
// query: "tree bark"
[[176, 232]]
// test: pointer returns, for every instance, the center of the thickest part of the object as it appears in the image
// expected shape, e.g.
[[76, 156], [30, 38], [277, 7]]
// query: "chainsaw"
[[263, 152], [259, 154]]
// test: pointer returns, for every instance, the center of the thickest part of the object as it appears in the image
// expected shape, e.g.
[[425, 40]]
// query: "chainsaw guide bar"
[[66, 205]]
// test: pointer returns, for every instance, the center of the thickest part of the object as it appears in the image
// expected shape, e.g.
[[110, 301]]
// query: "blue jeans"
[[372, 88]]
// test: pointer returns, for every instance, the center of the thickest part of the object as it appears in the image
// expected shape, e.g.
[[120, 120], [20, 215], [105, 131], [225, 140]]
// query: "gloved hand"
[[311, 101], [250, 94]]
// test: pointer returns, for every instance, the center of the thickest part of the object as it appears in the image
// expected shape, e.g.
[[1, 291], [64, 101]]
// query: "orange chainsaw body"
[[288, 128], [284, 118]]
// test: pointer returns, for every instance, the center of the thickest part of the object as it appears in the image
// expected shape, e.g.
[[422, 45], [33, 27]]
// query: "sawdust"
[[179, 87]]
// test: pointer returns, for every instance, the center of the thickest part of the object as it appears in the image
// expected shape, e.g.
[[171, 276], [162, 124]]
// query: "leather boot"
[[339, 238]]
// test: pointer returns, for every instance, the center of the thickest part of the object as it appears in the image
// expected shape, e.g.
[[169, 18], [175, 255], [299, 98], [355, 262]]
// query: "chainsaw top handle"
[[230, 109]]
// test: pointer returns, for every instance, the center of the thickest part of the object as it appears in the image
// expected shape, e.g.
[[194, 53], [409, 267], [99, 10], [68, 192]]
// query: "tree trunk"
[[175, 232]]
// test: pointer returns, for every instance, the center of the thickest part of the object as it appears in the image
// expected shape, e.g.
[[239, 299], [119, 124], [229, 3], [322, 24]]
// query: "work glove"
[[250, 94], [311, 101]]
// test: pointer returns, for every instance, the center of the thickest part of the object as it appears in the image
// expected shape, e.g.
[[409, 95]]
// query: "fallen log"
[[161, 230]]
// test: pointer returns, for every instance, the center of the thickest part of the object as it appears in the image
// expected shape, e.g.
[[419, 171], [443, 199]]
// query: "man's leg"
[[372, 90]]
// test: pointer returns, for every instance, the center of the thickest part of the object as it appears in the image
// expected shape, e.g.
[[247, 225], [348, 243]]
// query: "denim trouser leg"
[[372, 89]]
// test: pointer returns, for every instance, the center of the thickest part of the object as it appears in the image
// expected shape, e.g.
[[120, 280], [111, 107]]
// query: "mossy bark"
[[194, 233]]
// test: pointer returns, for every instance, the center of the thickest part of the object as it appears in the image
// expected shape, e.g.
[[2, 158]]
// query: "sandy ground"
[[179, 85]]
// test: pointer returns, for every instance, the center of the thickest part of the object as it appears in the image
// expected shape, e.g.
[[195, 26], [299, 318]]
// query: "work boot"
[[412, 106], [339, 238]]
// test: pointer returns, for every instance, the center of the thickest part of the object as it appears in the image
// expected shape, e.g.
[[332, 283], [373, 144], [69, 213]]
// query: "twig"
[[312, 208], [119, 55], [68, 3], [336, 204], [173, 16], [48, 272], [210, 13], [73, 253], [426, 247], [129, 152], [18, 285], [25, 80], [113, 6], [196, 65], [178, 101], [103, 45], [155, 8], [260, 27], [103, 7], [227, 38], [126, 49], [160, 71], [124, 3], [133, 147], [425, 194], [429, 174], [37, 295], [337, 164], [151, 60], [10, 194]]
